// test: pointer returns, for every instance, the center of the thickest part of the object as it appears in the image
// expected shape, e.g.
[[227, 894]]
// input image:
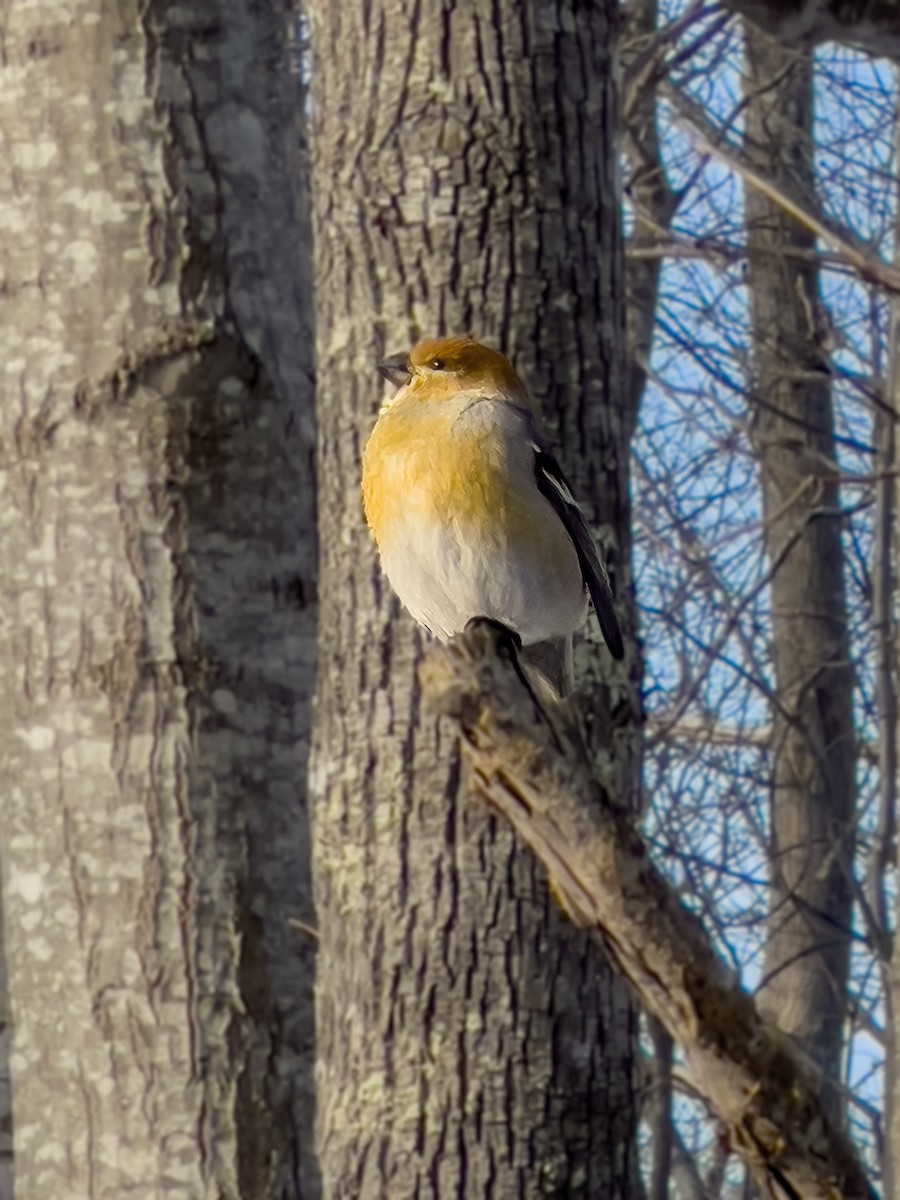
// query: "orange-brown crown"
[[466, 363]]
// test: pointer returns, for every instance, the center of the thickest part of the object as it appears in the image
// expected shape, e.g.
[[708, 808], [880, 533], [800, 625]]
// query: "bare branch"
[[841, 242]]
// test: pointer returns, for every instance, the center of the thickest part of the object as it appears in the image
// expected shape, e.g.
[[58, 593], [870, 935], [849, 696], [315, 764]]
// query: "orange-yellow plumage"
[[415, 465], [458, 497], [458, 473]]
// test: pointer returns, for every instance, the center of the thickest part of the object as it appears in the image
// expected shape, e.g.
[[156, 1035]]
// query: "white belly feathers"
[[446, 578]]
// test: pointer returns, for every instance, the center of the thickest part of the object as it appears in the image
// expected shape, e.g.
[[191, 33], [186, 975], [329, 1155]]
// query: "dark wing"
[[554, 488]]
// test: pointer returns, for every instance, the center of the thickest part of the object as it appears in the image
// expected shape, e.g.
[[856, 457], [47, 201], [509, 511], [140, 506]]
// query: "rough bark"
[[6, 1163], [769, 1102], [813, 792], [465, 178], [156, 566], [872, 25]]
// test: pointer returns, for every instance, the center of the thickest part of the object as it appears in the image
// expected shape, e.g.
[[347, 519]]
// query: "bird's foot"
[[508, 645]]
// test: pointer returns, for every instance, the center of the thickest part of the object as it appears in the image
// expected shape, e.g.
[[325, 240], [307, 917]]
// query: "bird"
[[470, 512]]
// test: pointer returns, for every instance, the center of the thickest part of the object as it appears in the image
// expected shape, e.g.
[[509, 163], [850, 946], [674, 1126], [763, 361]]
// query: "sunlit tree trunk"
[[156, 566], [813, 789], [472, 1043]]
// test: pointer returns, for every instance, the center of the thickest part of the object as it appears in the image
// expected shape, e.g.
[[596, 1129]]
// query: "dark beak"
[[396, 369]]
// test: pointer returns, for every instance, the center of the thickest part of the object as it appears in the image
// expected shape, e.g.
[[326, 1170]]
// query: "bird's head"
[[442, 367]]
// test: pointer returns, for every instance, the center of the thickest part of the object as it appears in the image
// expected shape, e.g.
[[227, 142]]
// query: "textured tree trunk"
[[813, 798], [472, 1043], [6, 1160], [156, 565]]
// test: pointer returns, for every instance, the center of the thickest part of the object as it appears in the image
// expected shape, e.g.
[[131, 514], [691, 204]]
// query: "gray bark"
[[156, 566], [6, 1161], [813, 797], [472, 1043]]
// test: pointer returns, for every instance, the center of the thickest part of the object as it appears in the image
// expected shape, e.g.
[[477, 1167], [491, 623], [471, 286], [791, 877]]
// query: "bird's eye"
[[437, 364]]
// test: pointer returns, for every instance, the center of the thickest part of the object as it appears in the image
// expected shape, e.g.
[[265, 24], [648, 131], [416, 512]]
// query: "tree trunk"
[[813, 799], [471, 1042], [6, 1160], [157, 559]]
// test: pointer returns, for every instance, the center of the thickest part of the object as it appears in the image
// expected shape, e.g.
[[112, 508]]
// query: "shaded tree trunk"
[[6, 1159], [472, 1043], [157, 572], [813, 798]]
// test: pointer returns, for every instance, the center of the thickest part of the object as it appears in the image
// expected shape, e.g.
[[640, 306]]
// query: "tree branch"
[[746, 1070], [871, 25], [842, 242]]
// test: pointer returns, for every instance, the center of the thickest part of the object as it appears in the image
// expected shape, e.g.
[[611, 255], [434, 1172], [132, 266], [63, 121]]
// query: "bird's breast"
[[464, 531]]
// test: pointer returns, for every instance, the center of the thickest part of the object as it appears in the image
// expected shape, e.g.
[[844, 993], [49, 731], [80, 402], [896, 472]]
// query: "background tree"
[[814, 746], [464, 172], [157, 579]]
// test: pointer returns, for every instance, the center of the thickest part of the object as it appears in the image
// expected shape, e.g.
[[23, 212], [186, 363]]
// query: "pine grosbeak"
[[470, 511]]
